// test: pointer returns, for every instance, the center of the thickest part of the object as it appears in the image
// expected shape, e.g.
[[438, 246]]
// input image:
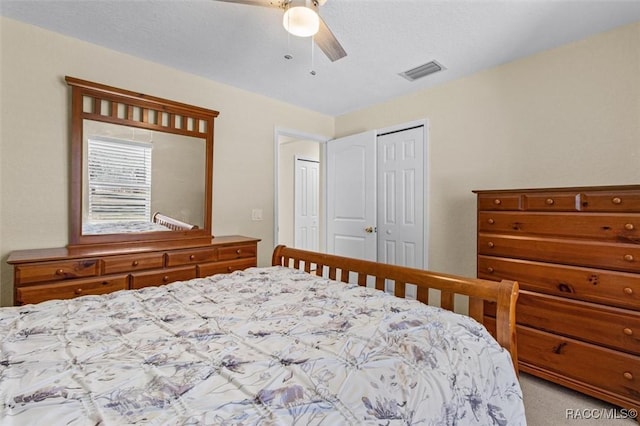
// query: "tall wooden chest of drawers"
[[58, 273], [576, 255]]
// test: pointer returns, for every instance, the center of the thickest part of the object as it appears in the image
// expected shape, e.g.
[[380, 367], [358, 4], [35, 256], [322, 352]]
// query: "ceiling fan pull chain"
[[288, 55], [313, 71]]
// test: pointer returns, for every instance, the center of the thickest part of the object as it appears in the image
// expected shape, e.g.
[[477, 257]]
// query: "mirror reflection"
[[138, 180]]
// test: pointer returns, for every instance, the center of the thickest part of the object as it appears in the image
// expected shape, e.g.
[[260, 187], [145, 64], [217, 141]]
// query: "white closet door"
[[351, 196], [400, 187], [307, 208]]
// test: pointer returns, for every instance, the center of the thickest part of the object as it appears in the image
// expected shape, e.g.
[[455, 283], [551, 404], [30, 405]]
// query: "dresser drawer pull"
[[628, 290], [229, 268], [60, 272], [192, 257], [490, 244], [627, 375], [165, 278], [629, 227], [497, 201], [628, 331], [616, 200], [78, 291], [628, 258], [135, 263], [238, 251], [549, 201], [491, 221], [490, 270]]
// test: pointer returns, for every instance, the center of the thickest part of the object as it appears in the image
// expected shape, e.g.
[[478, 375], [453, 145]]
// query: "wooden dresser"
[[576, 255], [60, 273]]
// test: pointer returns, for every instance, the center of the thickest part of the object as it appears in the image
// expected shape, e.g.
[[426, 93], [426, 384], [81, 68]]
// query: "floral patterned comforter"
[[121, 227], [265, 346]]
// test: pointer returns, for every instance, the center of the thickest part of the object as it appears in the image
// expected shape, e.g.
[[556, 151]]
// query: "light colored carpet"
[[547, 404]]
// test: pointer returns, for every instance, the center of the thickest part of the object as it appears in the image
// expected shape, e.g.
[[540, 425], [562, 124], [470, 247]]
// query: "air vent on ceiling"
[[422, 71]]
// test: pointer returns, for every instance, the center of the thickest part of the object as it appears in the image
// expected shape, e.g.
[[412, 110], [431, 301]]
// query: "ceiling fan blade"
[[278, 4], [328, 43]]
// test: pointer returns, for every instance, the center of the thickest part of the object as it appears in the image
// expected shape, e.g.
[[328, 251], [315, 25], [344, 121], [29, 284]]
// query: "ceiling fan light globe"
[[301, 21]]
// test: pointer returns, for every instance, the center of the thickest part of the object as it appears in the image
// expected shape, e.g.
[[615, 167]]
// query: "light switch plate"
[[256, 214]]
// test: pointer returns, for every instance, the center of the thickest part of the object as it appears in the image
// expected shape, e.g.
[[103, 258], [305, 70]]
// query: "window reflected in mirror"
[[139, 180]]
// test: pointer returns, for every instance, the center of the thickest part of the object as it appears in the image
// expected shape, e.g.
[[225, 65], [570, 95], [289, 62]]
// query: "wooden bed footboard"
[[504, 294], [171, 223]]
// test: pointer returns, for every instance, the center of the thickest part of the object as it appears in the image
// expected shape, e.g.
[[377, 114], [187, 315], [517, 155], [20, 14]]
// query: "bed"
[[159, 222], [304, 341], [172, 223]]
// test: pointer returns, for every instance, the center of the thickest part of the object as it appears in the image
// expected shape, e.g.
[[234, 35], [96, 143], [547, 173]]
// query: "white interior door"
[[400, 197], [307, 204], [351, 196]]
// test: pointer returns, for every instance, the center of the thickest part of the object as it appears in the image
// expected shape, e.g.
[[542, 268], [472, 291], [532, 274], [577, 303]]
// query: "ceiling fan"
[[301, 18]]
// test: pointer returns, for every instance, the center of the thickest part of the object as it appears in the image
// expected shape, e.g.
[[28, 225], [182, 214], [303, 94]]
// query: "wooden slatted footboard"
[[504, 293]]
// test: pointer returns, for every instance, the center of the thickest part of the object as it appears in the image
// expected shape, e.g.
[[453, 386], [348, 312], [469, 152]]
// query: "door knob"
[[368, 229]]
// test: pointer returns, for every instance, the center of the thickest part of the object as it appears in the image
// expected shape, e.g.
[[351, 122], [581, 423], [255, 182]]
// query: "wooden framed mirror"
[[141, 169]]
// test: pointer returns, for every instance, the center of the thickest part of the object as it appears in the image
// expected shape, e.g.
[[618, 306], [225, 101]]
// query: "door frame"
[[279, 132], [321, 139]]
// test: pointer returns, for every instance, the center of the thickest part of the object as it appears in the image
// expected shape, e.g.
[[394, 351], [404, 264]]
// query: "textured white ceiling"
[[244, 46]]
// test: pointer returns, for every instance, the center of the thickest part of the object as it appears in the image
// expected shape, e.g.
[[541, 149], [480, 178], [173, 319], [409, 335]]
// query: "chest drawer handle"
[[135, 263], [78, 291], [628, 258], [491, 245], [60, 272], [165, 278], [628, 331], [628, 290], [490, 270], [629, 227], [193, 256], [491, 221], [616, 200], [497, 201], [229, 268], [238, 251], [549, 201], [627, 375]]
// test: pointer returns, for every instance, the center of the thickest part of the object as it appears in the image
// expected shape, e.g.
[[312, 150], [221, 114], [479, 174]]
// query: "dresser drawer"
[[601, 226], [499, 202], [155, 278], [611, 201], [81, 287], [133, 262], [607, 326], [552, 201], [54, 271], [605, 368], [192, 256], [622, 257], [224, 267], [595, 285], [237, 252]]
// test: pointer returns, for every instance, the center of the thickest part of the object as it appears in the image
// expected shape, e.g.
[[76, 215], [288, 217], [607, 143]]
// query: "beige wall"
[[34, 138], [568, 116]]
